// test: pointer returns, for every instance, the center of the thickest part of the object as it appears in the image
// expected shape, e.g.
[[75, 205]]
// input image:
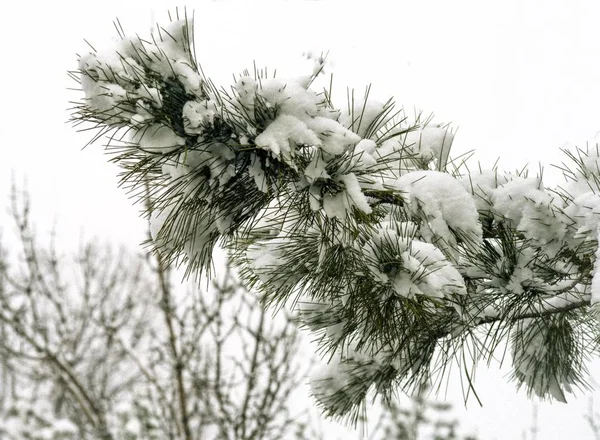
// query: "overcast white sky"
[[518, 78]]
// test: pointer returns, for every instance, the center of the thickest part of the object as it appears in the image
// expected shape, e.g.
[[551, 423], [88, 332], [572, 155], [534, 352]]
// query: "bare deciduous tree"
[[107, 346]]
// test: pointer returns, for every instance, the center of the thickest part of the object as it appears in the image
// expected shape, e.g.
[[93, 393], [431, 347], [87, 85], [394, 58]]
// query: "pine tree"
[[400, 258]]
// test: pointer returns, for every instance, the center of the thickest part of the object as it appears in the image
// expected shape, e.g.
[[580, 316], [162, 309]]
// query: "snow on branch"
[[356, 214]]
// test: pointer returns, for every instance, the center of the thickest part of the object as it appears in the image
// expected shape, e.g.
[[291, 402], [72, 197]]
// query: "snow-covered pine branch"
[[395, 257]]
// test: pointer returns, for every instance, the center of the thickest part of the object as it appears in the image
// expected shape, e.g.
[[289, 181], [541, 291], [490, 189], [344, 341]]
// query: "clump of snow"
[[522, 275], [390, 160], [435, 275], [339, 204], [198, 113], [283, 134], [363, 156], [447, 212], [336, 205], [157, 138], [511, 198], [150, 94], [587, 174], [532, 210], [595, 290], [431, 142], [411, 266], [524, 202], [64, 426], [111, 79], [316, 169], [133, 427], [108, 97], [482, 186], [355, 194], [187, 76], [290, 98], [109, 67], [591, 161], [103, 94], [301, 116], [169, 57], [142, 114], [246, 88], [583, 214], [335, 138], [363, 114]]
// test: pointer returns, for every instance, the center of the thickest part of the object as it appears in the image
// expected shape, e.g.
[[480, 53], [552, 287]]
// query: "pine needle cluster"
[[400, 259]]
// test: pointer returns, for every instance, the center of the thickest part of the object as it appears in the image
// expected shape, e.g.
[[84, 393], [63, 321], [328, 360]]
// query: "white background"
[[518, 79]]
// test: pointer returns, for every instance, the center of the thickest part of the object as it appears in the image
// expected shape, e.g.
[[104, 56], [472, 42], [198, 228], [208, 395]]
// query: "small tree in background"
[[103, 346]]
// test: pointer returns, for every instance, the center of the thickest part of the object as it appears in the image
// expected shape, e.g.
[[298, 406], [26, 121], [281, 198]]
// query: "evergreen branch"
[[357, 214]]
